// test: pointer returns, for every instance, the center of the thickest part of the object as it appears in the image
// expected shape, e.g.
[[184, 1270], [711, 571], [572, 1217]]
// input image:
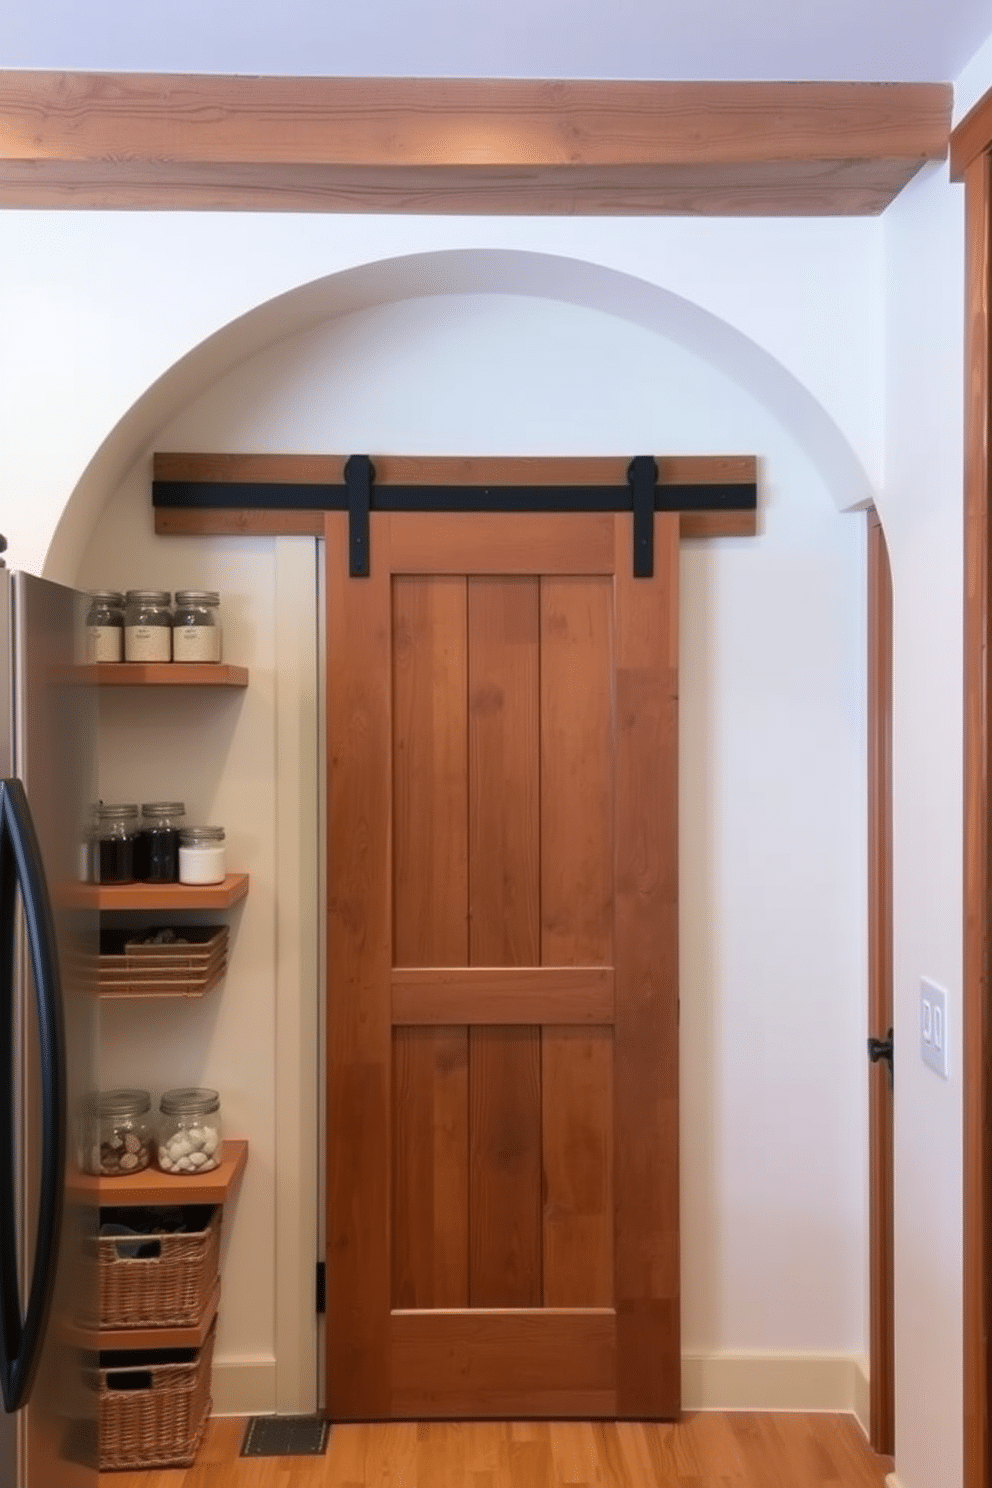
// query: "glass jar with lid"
[[105, 626], [117, 1136], [156, 853], [196, 627], [202, 855], [148, 625], [189, 1137], [116, 836]]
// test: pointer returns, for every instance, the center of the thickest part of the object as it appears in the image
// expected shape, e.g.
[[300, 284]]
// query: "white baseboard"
[[244, 1387], [769, 1382], [862, 1394], [762, 1382]]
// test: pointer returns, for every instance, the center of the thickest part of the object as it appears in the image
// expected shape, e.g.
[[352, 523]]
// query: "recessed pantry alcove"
[[772, 800]]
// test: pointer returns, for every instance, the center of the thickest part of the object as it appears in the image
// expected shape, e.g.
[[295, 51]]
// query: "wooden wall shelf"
[[155, 1187], [162, 896], [163, 674]]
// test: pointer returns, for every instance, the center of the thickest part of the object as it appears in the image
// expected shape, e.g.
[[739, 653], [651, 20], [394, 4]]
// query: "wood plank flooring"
[[704, 1450]]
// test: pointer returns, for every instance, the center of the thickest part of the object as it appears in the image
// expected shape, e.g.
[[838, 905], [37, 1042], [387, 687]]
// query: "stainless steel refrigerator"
[[48, 1039]]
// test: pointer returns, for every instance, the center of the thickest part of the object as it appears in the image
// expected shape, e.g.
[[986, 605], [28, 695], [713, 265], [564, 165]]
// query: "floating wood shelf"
[[192, 1336], [163, 674], [160, 896], [155, 1187]]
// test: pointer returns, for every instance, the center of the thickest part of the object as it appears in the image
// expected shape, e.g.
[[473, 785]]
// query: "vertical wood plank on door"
[[504, 899], [577, 929], [430, 1167], [429, 1235], [504, 777], [577, 1135], [358, 966], [646, 1070]]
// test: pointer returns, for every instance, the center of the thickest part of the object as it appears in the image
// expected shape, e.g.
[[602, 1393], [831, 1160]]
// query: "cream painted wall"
[[774, 1142]]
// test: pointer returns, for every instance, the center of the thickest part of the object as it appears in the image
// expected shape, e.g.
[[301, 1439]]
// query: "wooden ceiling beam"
[[111, 140]]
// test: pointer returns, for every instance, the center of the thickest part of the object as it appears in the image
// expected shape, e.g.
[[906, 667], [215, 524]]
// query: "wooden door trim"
[[438, 145], [977, 1095], [880, 1016], [503, 994]]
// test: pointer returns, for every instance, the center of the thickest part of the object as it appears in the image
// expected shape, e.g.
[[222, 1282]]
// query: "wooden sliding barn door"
[[502, 1002]]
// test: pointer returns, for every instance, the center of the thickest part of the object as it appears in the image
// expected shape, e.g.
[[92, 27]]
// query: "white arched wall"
[[466, 271], [774, 1147]]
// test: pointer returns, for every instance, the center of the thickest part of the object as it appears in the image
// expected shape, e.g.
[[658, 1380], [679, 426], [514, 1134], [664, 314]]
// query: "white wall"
[[921, 507], [774, 1141]]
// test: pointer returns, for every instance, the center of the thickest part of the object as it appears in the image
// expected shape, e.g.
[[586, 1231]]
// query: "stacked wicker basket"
[[154, 1403]]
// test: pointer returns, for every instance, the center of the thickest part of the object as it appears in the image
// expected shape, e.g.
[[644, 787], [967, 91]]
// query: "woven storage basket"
[[168, 1290], [154, 1414], [126, 968]]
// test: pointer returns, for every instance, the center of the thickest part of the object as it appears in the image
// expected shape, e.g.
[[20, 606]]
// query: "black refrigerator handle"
[[21, 867]]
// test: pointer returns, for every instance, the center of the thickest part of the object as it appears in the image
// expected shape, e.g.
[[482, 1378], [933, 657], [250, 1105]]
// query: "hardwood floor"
[[705, 1450]]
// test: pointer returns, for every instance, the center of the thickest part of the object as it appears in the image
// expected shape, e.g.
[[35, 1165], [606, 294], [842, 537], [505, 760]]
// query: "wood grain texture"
[[880, 1016], [577, 1135], [505, 1250], [429, 1232], [576, 744], [646, 1067], [359, 1043], [977, 1076], [451, 470], [502, 544], [430, 793], [504, 773], [163, 674], [577, 819], [155, 1187], [237, 522], [240, 522], [107, 897], [496, 1363], [972, 137], [487, 994], [709, 1449], [479, 145]]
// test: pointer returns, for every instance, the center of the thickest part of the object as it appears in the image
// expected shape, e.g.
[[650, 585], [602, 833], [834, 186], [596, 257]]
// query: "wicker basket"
[[153, 1406], [126, 968], [170, 1289]]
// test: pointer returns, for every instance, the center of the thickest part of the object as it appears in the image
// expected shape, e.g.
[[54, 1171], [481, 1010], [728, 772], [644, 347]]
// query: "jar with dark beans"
[[117, 833], [156, 855]]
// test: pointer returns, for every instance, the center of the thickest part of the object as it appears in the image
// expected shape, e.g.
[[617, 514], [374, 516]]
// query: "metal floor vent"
[[286, 1436]]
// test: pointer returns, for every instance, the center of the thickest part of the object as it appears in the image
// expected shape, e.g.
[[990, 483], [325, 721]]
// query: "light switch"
[[933, 1026]]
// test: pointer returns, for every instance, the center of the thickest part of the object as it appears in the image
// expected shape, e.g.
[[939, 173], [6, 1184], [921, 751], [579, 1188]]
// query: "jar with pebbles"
[[117, 1136], [189, 1138]]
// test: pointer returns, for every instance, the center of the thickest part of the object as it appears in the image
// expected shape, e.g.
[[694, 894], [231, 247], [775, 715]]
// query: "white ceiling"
[[839, 40]]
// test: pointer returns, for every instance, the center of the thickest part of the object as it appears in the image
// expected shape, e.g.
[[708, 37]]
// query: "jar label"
[[148, 642], [196, 643], [104, 643]]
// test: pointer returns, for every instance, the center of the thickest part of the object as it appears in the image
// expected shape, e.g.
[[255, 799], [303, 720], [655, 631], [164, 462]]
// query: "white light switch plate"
[[933, 1026]]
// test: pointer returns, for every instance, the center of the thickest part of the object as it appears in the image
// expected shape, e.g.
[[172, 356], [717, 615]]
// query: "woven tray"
[[167, 1290], [128, 969], [153, 1406]]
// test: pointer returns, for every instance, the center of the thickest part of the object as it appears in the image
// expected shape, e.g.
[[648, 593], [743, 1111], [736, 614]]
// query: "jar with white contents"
[[105, 626], [189, 1138], [196, 628], [202, 855], [148, 625]]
